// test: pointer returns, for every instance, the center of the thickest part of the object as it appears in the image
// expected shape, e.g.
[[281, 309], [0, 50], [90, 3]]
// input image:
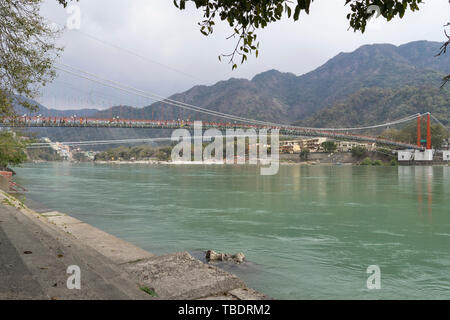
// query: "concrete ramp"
[[108, 245]]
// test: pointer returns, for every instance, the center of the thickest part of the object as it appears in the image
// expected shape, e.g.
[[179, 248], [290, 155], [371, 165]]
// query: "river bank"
[[314, 158], [48, 242]]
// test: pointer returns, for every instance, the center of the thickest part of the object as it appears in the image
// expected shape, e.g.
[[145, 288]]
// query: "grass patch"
[[134, 261], [149, 291], [14, 202], [8, 202]]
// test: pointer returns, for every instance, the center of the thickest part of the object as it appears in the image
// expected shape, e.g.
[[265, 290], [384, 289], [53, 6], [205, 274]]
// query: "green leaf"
[[297, 12]]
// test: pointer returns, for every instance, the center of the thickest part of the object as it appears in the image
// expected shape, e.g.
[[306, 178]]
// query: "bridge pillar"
[[423, 155], [428, 132], [419, 119]]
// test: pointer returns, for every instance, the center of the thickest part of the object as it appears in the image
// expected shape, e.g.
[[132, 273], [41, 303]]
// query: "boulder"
[[212, 255], [239, 257]]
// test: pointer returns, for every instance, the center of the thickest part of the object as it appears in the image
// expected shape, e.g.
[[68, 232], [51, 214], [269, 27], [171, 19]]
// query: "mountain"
[[285, 97], [377, 105], [380, 65], [374, 82], [45, 112]]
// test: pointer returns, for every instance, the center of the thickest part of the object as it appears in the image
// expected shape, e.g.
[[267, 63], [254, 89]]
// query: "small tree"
[[329, 146], [11, 150], [27, 52], [304, 154], [359, 151], [366, 162]]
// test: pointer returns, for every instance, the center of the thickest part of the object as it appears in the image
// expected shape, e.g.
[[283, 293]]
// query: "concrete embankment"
[[37, 249]]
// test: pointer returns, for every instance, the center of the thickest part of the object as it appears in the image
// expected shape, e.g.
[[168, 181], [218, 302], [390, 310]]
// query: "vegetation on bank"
[[369, 162], [43, 154], [304, 154], [359, 152], [136, 153], [329, 146], [163, 153], [27, 53], [12, 149]]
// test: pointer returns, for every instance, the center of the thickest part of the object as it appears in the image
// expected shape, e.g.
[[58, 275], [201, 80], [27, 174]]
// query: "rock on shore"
[[212, 255]]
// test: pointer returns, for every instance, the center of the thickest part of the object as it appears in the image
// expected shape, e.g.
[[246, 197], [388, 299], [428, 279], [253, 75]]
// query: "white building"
[[63, 150], [347, 146]]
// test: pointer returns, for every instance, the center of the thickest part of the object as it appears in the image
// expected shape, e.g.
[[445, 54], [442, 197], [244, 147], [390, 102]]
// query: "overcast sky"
[[176, 56]]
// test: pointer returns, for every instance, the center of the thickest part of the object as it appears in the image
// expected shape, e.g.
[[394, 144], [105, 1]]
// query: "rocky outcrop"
[[212, 256]]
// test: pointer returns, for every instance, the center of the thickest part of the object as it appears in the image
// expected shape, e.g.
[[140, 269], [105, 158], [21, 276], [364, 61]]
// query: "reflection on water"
[[309, 231], [421, 178]]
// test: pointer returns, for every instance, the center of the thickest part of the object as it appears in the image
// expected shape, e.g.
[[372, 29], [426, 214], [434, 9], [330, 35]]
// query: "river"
[[309, 232]]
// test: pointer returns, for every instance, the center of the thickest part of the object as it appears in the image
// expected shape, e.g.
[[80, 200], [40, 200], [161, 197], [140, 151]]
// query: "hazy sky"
[[177, 56]]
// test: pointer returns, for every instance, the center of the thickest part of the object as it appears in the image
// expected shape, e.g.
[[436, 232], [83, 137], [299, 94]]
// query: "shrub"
[[359, 151], [377, 163], [329, 146], [366, 162], [304, 154]]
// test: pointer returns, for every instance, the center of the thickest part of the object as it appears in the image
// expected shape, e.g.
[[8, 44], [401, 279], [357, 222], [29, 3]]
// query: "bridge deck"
[[59, 122]]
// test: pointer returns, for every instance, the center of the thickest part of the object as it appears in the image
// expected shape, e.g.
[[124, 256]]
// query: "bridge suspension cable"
[[120, 141], [110, 83], [128, 51], [157, 98], [437, 120]]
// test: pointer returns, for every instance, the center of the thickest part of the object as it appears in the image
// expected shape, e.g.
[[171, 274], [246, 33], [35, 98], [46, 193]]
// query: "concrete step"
[[181, 276], [46, 254]]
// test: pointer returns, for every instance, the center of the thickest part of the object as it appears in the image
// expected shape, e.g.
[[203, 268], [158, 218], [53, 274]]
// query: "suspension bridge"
[[230, 121], [334, 133]]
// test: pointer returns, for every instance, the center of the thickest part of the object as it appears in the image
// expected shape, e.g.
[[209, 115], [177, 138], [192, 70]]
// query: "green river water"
[[309, 232]]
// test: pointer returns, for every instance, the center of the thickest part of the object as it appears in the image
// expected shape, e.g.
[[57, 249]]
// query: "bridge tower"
[[428, 132], [419, 132], [427, 154], [419, 142]]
